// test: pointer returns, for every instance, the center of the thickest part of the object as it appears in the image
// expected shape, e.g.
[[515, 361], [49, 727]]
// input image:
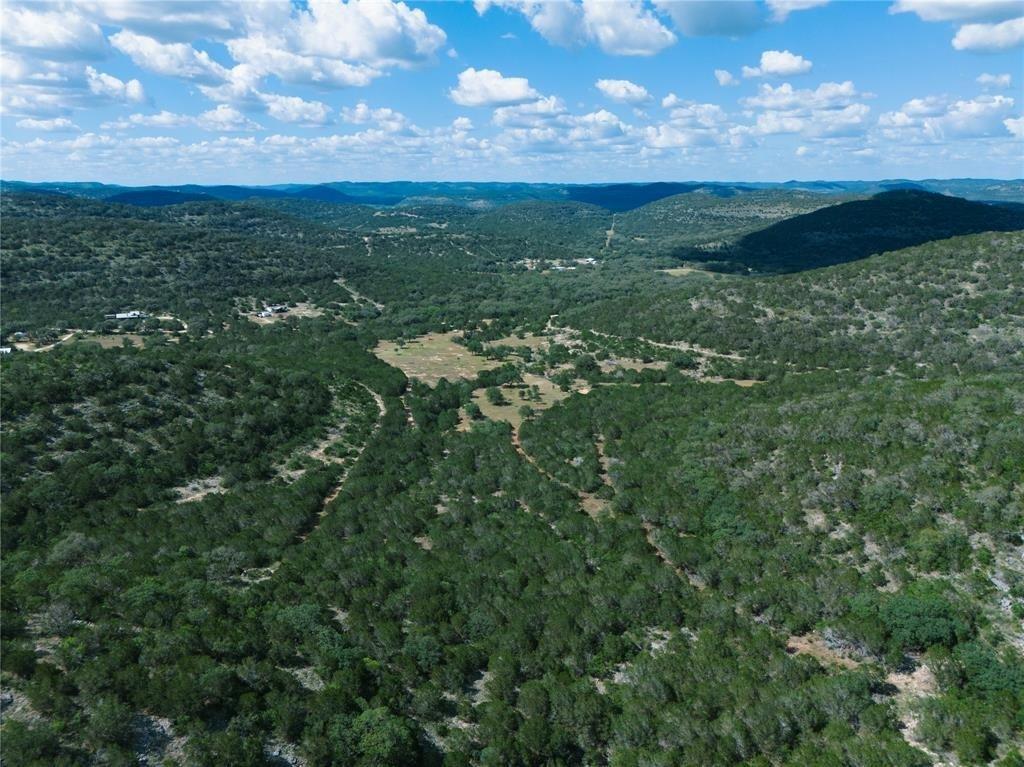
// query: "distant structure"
[[269, 311], [6, 349], [134, 314]]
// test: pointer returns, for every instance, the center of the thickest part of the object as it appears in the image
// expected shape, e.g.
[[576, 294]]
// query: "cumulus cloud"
[[49, 126], [624, 28], [173, 59], [830, 110], [623, 91], [958, 10], [383, 117], [110, 87], [222, 118], [826, 96], [529, 115], [60, 34], [989, 38], [994, 81], [172, 20], [997, 25], [936, 119], [725, 78], [1015, 125], [779, 64], [292, 109], [488, 87]]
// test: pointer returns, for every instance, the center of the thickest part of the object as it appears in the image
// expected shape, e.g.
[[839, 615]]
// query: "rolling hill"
[[854, 230], [147, 198]]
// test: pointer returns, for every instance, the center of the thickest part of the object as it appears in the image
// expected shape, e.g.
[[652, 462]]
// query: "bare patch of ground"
[[612, 364], [15, 706], [306, 676], [155, 743], [281, 754], [814, 645], [198, 489], [299, 310]]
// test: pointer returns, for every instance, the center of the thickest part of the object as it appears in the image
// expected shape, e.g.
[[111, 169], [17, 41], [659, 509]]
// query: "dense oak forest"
[[563, 480]]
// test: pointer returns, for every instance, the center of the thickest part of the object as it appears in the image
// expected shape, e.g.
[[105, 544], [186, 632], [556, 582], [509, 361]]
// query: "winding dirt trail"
[[319, 453], [590, 503], [609, 234], [694, 580]]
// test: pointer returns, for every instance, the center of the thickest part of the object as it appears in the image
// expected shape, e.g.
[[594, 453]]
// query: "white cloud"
[[53, 125], [219, 119], [958, 10], [779, 64], [625, 28], [1015, 125], [264, 55], [161, 119], [225, 118], [671, 100], [934, 119], [725, 78], [929, 106], [110, 87], [383, 117], [171, 20], [531, 114], [381, 34], [623, 91], [990, 37], [693, 114], [782, 8], [174, 59], [967, 118], [997, 24], [488, 87], [802, 151], [292, 109], [994, 81], [324, 43], [55, 35], [785, 97]]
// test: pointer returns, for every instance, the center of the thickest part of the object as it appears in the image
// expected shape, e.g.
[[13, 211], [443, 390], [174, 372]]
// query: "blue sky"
[[267, 91]]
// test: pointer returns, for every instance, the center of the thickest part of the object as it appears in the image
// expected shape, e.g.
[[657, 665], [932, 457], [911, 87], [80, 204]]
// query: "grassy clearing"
[[432, 357], [682, 271], [115, 341], [529, 340], [544, 396]]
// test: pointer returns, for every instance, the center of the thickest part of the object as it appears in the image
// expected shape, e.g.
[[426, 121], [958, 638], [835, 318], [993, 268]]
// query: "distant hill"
[[148, 198], [327, 193], [230, 192], [622, 197], [853, 230]]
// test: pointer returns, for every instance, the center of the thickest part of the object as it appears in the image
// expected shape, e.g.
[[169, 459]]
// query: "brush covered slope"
[[467, 497], [860, 228]]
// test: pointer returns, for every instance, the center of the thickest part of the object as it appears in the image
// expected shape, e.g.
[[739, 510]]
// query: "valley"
[[609, 476]]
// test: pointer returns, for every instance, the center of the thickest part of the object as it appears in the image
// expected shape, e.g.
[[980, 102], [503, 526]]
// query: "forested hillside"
[[524, 485]]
